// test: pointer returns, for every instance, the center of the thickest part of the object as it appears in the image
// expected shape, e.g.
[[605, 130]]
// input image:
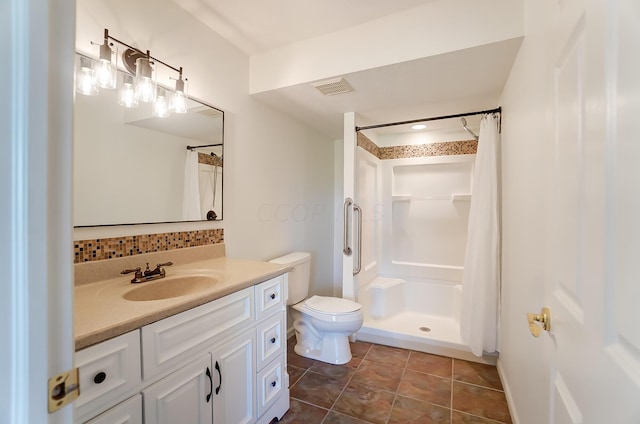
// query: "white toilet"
[[322, 324]]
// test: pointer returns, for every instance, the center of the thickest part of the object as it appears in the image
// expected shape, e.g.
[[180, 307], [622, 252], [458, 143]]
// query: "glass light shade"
[[85, 78], [145, 81], [161, 105], [127, 96], [179, 97], [105, 70]]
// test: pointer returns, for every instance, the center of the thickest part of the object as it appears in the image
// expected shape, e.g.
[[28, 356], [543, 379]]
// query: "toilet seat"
[[331, 305]]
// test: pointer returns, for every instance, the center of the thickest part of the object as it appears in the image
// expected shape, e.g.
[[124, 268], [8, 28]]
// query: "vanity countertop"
[[101, 311]]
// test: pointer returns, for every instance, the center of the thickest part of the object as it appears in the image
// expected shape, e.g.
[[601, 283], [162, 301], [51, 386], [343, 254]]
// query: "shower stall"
[[413, 194]]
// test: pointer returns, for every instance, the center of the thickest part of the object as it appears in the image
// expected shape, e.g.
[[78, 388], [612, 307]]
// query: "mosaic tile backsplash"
[[465, 147], [117, 247]]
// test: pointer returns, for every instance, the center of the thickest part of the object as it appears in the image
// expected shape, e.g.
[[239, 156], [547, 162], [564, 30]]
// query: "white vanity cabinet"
[[223, 362]]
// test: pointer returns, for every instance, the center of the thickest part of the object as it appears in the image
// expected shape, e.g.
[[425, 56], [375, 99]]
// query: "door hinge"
[[64, 388]]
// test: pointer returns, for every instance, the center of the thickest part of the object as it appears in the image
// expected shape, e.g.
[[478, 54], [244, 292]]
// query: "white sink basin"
[[171, 287]]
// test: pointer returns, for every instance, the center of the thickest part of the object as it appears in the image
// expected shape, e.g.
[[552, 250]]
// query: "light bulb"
[[85, 78], [161, 105], [127, 96], [179, 98], [105, 71], [145, 84]]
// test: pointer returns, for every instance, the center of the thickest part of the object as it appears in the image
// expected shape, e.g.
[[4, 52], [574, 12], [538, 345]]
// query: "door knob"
[[544, 318]]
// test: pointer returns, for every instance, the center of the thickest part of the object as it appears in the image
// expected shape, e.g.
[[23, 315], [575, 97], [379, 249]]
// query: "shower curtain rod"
[[203, 145], [437, 118]]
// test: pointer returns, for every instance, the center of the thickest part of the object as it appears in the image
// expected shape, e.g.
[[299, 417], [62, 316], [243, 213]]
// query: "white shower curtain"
[[481, 280], [191, 192]]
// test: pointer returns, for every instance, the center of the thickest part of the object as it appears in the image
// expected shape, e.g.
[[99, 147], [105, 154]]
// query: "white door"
[[182, 397], [36, 116], [234, 379], [594, 343]]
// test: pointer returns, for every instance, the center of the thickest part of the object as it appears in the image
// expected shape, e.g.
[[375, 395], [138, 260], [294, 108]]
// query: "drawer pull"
[[273, 296], [220, 375], [100, 377], [273, 340], [208, 374], [273, 384]]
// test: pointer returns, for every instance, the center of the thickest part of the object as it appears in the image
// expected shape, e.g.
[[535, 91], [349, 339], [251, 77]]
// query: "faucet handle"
[[127, 271]]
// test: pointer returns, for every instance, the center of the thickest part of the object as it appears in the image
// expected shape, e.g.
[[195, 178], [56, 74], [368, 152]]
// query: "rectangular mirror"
[[130, 166]]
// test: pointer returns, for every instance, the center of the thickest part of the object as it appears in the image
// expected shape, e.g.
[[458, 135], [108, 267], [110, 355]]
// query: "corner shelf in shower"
[[451, 197]]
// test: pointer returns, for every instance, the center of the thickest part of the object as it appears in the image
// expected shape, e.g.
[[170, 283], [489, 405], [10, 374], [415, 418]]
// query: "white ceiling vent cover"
[[333, 86]]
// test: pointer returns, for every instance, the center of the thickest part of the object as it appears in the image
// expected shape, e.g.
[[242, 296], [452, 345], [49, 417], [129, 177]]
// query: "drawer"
[[167, 344], [271, 384], [271, 296], [271, 339], [127, 412], [109, 373]]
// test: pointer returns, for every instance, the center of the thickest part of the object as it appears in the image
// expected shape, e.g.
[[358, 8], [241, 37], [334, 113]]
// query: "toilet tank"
[[298, 276]]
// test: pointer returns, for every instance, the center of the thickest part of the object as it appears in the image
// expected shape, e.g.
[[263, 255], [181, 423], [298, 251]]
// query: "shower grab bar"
[[345, 244], [357, 209]]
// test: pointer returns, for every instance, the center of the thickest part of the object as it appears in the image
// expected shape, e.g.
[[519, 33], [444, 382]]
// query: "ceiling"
[[456, 82]]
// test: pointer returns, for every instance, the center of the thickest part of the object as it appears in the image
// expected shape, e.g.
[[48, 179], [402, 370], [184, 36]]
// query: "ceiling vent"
[[333, 86]]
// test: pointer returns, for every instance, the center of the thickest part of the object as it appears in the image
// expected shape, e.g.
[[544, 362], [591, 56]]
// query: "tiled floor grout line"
[[338, 397], [395, 395], [345, 388], [478, 416]]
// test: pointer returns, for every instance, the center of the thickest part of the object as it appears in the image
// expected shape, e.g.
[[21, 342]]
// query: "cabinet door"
[[182, 397], [234, 380]]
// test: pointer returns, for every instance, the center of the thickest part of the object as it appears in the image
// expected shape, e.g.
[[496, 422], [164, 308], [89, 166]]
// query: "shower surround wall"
[[415, 201]]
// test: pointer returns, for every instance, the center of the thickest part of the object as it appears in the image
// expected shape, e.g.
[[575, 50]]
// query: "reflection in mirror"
[[131, 167]]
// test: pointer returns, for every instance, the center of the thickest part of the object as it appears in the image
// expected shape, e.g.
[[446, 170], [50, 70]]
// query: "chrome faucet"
[[148, 274]]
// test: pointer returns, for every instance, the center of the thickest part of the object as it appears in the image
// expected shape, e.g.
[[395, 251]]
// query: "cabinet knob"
[[273, 340], [273, 296], [100, 377], [273, 384]]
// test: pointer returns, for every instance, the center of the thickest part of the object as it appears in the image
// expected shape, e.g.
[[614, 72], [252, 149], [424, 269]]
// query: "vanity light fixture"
[[140, 84]]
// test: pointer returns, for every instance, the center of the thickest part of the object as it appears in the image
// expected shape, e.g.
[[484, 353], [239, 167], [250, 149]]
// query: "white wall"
[[278, 174], [526, 160]]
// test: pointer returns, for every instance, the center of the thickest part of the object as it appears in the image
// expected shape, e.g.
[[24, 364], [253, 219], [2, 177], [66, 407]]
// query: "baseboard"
[[507, 393]]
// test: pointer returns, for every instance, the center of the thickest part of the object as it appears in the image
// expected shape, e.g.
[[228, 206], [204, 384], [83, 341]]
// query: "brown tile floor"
[[386, 385]]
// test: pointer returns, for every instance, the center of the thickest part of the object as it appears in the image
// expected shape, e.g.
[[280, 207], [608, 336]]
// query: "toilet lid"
[[331, 305]]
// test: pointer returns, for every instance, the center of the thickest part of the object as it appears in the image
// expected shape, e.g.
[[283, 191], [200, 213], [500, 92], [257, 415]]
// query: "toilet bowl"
[[322, 324]]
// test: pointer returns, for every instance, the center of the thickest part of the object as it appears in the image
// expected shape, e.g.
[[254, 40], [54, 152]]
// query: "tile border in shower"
[[463, 147], [117, 247]]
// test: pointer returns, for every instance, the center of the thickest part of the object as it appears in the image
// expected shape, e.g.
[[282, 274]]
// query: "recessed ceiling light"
[[418, 127]]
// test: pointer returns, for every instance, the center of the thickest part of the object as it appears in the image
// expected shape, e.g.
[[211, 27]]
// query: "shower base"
[[415, 314], [421, 332]]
